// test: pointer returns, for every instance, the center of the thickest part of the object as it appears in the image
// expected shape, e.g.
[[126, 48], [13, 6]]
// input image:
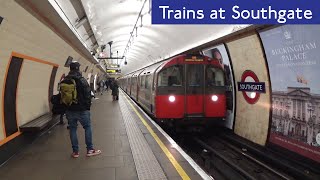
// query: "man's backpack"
[[68, 91]]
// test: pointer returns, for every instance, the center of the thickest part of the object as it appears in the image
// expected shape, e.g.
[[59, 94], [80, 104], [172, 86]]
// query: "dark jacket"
[[114, 88], [83, 92]]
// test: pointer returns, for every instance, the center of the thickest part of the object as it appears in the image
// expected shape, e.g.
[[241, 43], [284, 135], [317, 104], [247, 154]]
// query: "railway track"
[[296, 167], [227, 161]]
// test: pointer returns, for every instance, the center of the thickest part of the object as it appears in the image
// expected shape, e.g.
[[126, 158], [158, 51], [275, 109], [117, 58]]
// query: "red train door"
[[194, 90]]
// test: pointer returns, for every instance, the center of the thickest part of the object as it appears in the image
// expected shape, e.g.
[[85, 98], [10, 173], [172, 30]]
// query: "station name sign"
[[113, 70], [252, 87], [113, 66]]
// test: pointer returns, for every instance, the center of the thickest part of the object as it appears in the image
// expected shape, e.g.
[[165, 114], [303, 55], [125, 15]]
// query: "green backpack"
[[68, 91]]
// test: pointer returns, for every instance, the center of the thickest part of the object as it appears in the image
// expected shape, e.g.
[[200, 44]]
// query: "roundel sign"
[[251, 87]]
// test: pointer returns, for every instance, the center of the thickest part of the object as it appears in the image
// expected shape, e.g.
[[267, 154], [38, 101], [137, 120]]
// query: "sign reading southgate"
[[235, 12], [251, 87]]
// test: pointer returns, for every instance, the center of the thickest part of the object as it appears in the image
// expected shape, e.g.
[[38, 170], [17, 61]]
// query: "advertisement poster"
[[293, 55], [219, 52]]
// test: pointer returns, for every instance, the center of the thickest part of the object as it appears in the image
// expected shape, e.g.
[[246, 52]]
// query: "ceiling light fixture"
[[110, 44], [136, 31], [125, 61], [141, 20]]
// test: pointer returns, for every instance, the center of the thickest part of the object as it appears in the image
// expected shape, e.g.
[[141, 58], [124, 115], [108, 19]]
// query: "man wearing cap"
[[80, 111]]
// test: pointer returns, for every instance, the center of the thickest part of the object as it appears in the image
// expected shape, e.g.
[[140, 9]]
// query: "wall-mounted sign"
[[292, 53], [251, 87], [113, 66], [1, 18], [111, 70], [85, 70], [68, 61]]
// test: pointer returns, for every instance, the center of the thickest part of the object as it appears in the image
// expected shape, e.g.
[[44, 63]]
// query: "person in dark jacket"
[[115, 90], [80, 111]]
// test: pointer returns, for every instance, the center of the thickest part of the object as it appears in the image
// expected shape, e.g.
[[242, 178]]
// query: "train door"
[[142, 89], [194, 90]]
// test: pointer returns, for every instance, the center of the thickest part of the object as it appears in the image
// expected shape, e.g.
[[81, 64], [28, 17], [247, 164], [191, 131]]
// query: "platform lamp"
[[117, 58], [125, 61], [110, 44]]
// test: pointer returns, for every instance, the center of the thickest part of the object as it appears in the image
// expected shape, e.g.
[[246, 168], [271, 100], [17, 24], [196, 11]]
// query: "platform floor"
[[129, 150]]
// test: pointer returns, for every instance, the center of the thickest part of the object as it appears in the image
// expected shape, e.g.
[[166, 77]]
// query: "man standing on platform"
[[76, 94]]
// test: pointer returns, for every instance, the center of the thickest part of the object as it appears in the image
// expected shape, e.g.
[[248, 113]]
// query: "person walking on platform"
[[115, 90], [76, 94], [107, 84], [101, 86]]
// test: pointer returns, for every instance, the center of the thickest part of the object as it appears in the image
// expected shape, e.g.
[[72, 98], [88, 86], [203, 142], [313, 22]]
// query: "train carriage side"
[[125, 84], [128, 84], [135, 85], [122, 82], [147, 88]]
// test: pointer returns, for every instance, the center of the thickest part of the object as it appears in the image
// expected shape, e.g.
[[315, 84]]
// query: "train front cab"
[[192, 92]]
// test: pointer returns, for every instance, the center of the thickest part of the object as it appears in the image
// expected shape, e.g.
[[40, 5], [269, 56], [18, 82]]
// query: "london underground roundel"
[[251, 87]]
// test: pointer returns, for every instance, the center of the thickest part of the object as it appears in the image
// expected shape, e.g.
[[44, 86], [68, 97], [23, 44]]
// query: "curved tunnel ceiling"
[[113, 20]]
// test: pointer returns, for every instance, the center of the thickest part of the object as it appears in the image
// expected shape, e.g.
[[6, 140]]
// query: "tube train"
[[186, 89]]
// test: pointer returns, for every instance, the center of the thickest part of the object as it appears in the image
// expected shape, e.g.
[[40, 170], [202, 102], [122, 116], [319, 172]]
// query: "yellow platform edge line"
[[171, 158]]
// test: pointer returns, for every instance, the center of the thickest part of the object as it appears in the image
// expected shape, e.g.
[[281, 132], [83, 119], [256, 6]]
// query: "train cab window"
[[195, 75], [133, 81], [147, 82], [171, 76], [214, 77], [142, 79]]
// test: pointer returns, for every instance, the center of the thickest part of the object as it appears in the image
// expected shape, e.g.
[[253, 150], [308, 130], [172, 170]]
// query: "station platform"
[[132, 145]]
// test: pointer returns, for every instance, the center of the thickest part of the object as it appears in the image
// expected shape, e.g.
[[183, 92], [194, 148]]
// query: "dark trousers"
[[61, 118]]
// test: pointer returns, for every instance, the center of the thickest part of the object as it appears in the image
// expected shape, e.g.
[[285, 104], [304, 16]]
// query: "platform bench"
[[39, 123]]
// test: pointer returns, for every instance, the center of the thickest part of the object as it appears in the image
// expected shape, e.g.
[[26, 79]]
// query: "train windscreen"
[[214, 77], [195, 75], [171, 76]]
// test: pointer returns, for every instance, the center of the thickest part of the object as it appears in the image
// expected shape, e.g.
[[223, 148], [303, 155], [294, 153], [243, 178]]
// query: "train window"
[[195, 75], [214, 77], [171, 76], [142, 79], [133, 82], [147, 82]]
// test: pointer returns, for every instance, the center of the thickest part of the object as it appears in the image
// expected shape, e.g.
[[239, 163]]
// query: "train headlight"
[[214, 98], [172, 98]]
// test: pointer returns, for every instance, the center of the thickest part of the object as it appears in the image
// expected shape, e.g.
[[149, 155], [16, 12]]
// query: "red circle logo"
[[250, 76]]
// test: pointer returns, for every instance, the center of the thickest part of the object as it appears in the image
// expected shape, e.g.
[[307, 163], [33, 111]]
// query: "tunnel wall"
[[251, 120], [32, 59]]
